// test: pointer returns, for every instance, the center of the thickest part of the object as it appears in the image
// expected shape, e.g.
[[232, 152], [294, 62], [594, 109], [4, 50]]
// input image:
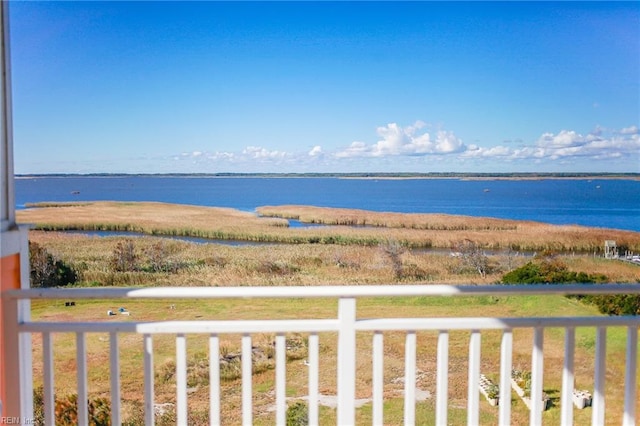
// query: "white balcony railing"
[[346, 324]]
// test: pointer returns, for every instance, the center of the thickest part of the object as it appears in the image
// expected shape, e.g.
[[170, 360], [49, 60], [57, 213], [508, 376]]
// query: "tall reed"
[[344, 227]]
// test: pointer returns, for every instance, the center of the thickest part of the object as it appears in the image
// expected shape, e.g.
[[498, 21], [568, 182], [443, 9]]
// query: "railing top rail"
[[320, 325], [321, 291]]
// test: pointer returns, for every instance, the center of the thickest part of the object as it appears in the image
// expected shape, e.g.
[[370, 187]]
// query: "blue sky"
[[207, 87]]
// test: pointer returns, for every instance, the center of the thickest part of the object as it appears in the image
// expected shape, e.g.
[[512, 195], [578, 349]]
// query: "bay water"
[[605, 203]]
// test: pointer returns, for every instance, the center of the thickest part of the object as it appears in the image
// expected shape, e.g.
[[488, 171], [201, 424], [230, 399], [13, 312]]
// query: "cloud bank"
[[419, 145], [568, 145], [405, 141]]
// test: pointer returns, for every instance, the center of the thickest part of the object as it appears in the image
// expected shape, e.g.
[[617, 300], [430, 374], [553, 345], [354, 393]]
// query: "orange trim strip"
[[9, 280]]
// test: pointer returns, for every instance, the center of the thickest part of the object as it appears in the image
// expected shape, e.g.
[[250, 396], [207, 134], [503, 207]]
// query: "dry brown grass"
[[283, 264], [415, 230], [442, 230]]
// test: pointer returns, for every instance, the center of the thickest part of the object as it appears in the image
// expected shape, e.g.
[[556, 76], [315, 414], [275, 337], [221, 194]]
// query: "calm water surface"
[[608, 203]]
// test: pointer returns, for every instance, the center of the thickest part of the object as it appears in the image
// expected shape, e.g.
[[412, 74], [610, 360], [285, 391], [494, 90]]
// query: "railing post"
[[597, 410], [442, 378], [149, 396], [214, 379], [410, 356], [630, 383], [314, 347], [81, 374], [281, 379], [346, 361], [506, 363], [47, 369], [568, 379], [473, 396], [247, 380], [114, 367], [537, 370], [181, 379], [378, 378]]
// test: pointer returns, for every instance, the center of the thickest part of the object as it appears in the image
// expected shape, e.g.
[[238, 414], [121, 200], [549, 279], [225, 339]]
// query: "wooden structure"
[[610, 249]]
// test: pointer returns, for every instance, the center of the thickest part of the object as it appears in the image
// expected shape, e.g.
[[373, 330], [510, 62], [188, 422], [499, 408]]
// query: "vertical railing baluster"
[[314, 347], [442, 378], [346, 360], [149, 397], [181, 380], [81, 360], [247, 379], [281, 379], [537, 370], [473, 403], [630, 381], [378, 377], [214, 380], [568, 379], [410, 379], [48, 393], [506, 364], [25, 350], [597, 410], [114, 367]]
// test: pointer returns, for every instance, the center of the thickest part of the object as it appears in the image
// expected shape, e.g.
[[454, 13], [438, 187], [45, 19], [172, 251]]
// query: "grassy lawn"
[[164, 354]]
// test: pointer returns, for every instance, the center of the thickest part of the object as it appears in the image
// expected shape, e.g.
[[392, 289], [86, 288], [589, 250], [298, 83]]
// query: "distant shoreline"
[[380, 176]]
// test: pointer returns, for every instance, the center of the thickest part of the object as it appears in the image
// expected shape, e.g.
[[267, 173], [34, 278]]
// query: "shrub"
[[298, 414], [166, 371], [414, 272], [230, 369], [38, 406], [297, 347], [157, 256], [66, 410], [614, 304], [47, 271], [472, 256], [276, 268], [549, 270], [124, 257], [394, 250]]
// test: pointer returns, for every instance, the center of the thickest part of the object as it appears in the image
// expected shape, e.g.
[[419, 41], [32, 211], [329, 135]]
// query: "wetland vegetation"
[[354, 248]]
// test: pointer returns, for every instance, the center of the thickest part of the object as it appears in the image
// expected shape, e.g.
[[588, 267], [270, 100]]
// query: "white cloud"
[[405, 141], [356, 149], [474, 151], [567, 145], [259, 153], [631, 130], [315, 151], [563, 139], [599, 144]]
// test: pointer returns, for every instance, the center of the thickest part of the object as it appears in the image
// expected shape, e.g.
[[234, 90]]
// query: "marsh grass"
[[281, 264], [349, 227]]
